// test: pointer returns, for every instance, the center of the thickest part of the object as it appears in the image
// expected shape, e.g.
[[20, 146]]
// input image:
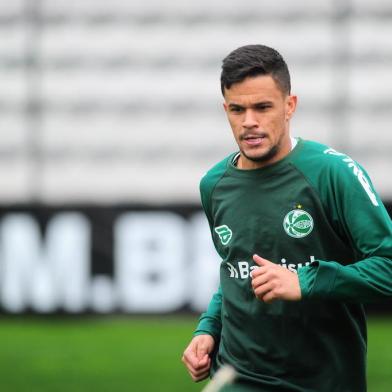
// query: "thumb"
[[259, 260], [201, 351], [203, 361]]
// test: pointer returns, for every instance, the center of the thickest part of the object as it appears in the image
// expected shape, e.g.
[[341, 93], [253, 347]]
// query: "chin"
[[261, 156]]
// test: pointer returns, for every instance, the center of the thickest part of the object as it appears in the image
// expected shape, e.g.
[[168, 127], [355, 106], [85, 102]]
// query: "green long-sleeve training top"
[[316, 213]]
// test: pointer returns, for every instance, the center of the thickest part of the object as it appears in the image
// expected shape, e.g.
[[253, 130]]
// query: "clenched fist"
[[196, 357], [271, 281]]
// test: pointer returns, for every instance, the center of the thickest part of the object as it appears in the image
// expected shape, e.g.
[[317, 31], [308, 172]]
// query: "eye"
[[263, 106], [236, 109]]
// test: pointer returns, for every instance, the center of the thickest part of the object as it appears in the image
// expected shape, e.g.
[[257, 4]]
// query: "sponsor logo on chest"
[[242, 269]]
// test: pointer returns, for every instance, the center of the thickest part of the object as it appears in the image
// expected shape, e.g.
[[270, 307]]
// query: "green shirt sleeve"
[[348, 195], [210, 322]]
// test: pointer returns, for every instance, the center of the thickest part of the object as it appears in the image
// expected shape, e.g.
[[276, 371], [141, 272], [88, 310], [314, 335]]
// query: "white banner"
[[161, 263]]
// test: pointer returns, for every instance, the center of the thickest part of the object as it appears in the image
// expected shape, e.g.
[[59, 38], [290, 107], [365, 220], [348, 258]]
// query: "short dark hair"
[[255, 60]]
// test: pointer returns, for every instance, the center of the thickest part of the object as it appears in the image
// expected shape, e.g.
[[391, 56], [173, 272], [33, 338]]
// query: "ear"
[[225, 106], [291, 105]]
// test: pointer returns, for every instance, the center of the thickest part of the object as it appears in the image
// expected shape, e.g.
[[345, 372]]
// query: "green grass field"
[[125, 354]]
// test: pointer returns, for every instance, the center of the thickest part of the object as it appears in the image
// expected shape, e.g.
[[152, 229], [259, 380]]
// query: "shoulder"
[[329, 169], [322, 159], [318, 153], [213, 175], [210, 180]]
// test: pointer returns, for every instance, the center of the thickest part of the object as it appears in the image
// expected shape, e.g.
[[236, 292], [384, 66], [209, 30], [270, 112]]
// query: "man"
[[304, 241]]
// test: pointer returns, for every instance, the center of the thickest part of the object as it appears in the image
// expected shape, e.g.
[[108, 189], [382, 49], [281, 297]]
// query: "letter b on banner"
[[149, 261]]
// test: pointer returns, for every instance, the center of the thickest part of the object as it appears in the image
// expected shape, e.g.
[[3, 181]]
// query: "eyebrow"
[[254, 105]]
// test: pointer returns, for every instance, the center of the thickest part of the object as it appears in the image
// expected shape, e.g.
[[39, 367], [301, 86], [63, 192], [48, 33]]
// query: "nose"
[[250, 120]]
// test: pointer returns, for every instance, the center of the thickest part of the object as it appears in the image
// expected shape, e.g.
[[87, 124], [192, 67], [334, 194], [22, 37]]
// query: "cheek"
[[276, 125], [235, 126], [271, 122]]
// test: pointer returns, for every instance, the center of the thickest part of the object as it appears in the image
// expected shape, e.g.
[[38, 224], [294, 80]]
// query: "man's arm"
[[364, 281], [352, 201], [196, 356], [210, 322]]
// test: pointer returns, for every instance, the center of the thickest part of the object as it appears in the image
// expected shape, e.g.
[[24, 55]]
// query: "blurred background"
[[110, 113]]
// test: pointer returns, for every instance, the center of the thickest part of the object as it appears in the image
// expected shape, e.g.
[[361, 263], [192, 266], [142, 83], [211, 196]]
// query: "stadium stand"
[[119, 101]]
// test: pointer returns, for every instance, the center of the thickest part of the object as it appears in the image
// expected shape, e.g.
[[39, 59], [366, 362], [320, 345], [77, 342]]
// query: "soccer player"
[[304, 241]]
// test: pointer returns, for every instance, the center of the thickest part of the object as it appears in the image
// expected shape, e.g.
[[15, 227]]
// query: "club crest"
[[298, 223]]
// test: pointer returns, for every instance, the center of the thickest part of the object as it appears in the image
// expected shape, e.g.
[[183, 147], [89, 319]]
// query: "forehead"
[[254, 89]]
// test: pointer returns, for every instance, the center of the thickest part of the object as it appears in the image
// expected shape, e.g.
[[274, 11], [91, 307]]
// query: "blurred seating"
[[120, 101]]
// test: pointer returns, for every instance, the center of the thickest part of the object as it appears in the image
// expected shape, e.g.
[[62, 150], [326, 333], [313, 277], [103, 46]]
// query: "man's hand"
[[272, 281], [196, 357]]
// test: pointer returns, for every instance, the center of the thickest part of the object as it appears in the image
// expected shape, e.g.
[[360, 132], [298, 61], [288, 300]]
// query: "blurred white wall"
[[119, 101]]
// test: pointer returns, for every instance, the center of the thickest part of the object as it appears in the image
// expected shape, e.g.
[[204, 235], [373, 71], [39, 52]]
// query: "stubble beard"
[[265, 157]]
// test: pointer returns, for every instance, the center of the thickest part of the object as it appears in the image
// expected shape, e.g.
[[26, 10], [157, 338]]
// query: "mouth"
[[254, 139]]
